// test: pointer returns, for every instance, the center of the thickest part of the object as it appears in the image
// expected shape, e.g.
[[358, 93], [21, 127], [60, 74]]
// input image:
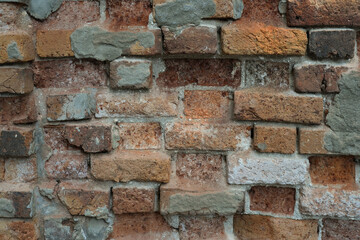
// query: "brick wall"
[[176, 119]]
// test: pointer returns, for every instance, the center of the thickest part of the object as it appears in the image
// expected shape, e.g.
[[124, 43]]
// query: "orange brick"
[[275, 139], [311, 141], [54, 43], [16, 229], [16, 47]]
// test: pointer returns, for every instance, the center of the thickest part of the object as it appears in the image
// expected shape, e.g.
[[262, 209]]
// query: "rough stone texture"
[[205, 136], [13, 17], [267, 74], [16, 142], [343, 117], [95, 42], [15, 200], [18, 110], [128, 73], [70, 107], [136, 104], [260, 39], [272, 199], [139, 135], [206, 104], [275, 139], [311, 141], [201, 72], [16, 46], [340, 229], [332, 44], [55, 43], [133, 200], [275, 107], [16, 229], [332, 170], [67, 166], [256, 169], [91, 139], [306, 13], [16, 80], [124, 166], [58, 228], [191, 40], [264, 227], [317, 78], [202, 228], [150, 226], [20, 170], [2, 169], [329, 202], [68, 73]]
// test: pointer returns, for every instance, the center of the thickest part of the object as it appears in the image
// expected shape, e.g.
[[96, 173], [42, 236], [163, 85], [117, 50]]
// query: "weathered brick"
[[16, 200], [13, 17], [260, 39], [228, 9], [264, 227], [139, 135], [69, 107], [54, 137], [133, 200], [69, 73], [277, 107], [272, 199], [317, 78], [85, 198], [332, 170], [16, 80], [92, 139], [136, 104], [205, 136], [191, 40], [267, 74], [54, 43], [311, 141], [16, 47], [268, 12], [137, 226], [340, 229], [20, 170], [275, 139], [202, 72], [317, 13], [332, 44], [256, 169], [128, 73], [130, 165], [202, 228], [15, 229], [16, 142], [2, 169], [18, 109], [58, 228], [206, 104]]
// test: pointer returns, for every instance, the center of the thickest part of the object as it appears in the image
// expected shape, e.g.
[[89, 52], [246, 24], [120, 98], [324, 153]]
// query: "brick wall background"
[[177, 119]]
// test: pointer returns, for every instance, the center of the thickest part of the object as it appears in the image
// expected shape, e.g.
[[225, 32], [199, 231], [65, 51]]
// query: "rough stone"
[[16, 142], [54, 43], [16, 47], [256, 169], [264, 227], [91, 229], [16, 229], [124, 166], [15, 200], [206, 136], [128, 73], [277, 107], [202, 228], [19, 110], [311, 141], [55, 229], [20, 170], [340, 229], [2, 169], [40, 9], [16, 80], [332, 44], [133, 200]]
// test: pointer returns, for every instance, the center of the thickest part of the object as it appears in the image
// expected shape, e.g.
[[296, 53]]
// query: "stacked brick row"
[[176, 119]]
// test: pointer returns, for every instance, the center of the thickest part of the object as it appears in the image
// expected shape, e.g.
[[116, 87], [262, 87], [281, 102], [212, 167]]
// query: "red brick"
[[332, 170], [340, 229], [268, 12], [16, 229], [272, 199], [191, 40], [275, 139], [54, 43], [317, 13], [206, 104], [311, 141], [16, 142], [69, 73], [202, 228], [16, 80], [139, 135], [18, 110], [201, 72], [18, 199], [20, 170], [276, 107], [133, 200], [54, 137]]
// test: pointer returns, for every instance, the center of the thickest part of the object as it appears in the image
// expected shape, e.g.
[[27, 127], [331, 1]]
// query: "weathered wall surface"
[[178, 119]]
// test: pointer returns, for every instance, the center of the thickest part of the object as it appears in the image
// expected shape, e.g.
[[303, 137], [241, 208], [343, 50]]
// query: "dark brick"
[[15, 143], [19, 196], [18, 110], [334, 229]]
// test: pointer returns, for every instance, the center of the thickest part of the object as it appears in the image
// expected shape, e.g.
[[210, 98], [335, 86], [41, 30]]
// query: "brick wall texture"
[[178, 119]]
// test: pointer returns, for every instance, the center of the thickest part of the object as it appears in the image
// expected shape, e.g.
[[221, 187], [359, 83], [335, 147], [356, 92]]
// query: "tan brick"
[[277, 107], [264, 227], [16, 200], [18, 110], [202, 228], [311, 141], [16, 47], [18, 230], [139, 135], [133, 200], [54, 43], [20, 170], [16, 80], [206, 104], [124, 166], [275, 139]]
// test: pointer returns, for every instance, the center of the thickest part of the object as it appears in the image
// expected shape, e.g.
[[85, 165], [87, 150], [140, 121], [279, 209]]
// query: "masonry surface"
[[177, 119]]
